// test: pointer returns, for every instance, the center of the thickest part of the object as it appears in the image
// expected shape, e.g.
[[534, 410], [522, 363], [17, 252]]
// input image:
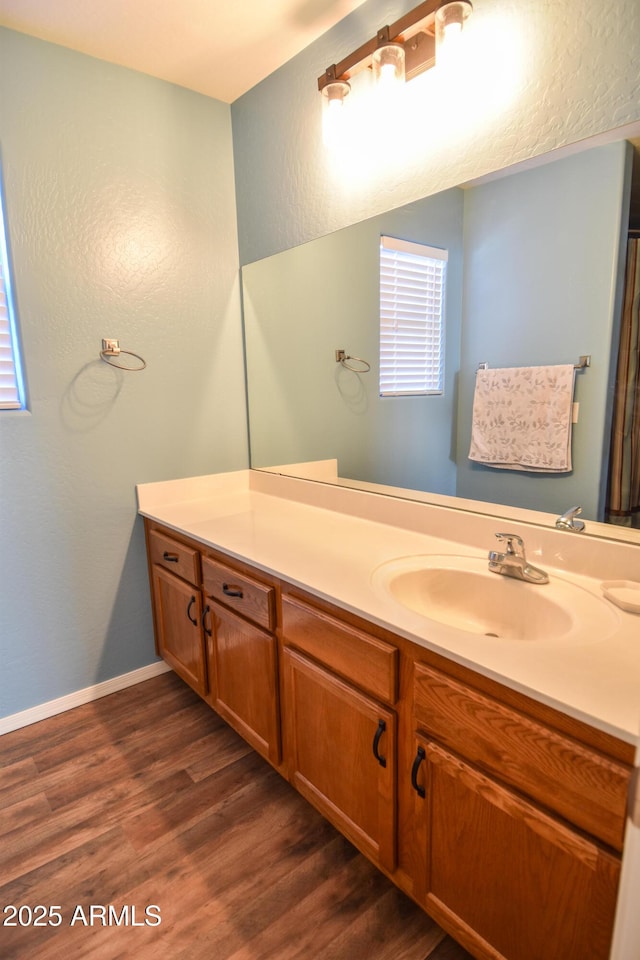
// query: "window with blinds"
[[412, 284], [11, 382]]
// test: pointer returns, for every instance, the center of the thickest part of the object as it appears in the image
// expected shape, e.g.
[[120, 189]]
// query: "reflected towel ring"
[[343, 357], [111, 348]]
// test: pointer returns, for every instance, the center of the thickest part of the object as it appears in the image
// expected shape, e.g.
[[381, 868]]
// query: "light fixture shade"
[[337, 90], [450, 20], [388, 65], [333, 97]]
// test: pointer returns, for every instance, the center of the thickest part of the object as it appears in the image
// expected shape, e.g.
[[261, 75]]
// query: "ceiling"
[[219, 49]]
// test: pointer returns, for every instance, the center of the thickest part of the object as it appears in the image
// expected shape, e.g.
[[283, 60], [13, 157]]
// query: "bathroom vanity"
[[483, 765]]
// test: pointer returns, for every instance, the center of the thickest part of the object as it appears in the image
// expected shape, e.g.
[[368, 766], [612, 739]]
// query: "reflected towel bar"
[[582, 364]]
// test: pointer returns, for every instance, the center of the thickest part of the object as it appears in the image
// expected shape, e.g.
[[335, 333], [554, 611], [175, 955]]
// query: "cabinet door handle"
[[382, 726], [170, 557], [194, 620], [203, 620], [231, 591], [420, 756]]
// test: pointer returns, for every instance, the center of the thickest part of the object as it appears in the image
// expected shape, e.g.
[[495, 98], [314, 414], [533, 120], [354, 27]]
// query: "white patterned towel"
[[522, 418]]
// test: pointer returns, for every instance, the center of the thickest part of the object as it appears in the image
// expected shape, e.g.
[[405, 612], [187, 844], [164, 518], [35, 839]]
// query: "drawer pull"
[[194, 620], [170, 557], [420, 756], [382, 726], [203, 620], [231, 591]]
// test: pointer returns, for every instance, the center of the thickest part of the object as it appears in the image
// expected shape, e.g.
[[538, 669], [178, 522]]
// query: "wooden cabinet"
[[501, 820], [340, 738], [242, 655], [503, 817], [507, 879], [579, 784], [177, 606], [341, 752]]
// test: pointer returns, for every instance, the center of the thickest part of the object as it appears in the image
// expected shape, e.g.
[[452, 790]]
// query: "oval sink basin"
[[461, 592]]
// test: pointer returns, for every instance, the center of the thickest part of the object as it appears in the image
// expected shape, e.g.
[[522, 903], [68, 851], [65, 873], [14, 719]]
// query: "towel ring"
[[107, 353], [343, 357], [111, 348]]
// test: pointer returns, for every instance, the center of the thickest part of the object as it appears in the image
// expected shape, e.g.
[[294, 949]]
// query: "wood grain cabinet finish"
[[179, 635], [245, 595], [506, 879], [167, 552], [341, 753], [242, 658], [243, 672], [581, 785], [346, 650]]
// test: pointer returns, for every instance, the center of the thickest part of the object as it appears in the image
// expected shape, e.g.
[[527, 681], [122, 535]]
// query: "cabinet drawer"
[[174, 556], [248, 597], [585, 787], [362, 659]]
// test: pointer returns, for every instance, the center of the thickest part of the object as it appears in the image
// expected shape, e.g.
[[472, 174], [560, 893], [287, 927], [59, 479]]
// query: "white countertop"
[[329, 542]]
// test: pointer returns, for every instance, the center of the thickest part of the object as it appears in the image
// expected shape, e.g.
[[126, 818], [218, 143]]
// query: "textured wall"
[[120, 198], [541, 75]]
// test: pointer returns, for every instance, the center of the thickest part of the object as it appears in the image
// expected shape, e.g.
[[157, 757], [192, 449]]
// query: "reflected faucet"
[[513, 562], [568, 520]]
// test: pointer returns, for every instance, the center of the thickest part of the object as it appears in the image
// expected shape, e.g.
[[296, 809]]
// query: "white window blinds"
[[11, 384], [412, 283]]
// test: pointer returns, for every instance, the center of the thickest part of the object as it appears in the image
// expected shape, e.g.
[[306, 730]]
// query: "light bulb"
[[333, 97], [450, 21], [388, 67]]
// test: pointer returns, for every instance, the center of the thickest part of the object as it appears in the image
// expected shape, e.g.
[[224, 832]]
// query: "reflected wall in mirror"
[[534, 277]]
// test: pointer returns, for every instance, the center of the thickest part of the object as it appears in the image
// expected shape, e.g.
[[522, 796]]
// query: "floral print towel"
[[522, 418]]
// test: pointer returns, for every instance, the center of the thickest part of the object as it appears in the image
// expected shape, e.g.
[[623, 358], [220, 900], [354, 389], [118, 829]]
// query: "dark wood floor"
[[147, 798]]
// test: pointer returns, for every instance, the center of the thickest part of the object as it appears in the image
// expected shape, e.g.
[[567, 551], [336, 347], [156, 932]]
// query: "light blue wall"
[[568, 218], [120, 199]]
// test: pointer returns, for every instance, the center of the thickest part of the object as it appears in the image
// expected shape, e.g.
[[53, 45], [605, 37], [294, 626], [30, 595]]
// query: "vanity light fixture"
[[397, 53]]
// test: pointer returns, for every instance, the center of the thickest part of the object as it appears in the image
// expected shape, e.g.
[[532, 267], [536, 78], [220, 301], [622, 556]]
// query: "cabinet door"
[[502, 876], [341, 748], [244, 680], [178, 609]]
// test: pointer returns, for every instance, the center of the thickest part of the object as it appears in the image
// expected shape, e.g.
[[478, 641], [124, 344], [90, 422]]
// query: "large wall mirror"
[[534, 277]]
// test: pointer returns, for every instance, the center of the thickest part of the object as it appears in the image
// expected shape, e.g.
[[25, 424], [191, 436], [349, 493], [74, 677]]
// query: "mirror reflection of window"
[[12, 391], [412, 289]]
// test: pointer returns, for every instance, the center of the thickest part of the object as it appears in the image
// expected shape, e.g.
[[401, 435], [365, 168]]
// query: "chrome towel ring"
[[350, 363], [111, 348]]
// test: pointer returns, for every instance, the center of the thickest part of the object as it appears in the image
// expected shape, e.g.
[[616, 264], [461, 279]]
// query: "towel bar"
[[583, 362]]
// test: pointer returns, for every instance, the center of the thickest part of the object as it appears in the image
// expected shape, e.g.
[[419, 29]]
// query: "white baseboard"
[[53, 707]]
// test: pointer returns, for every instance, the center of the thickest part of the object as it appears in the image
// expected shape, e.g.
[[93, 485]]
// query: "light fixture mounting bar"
[[418, 21]]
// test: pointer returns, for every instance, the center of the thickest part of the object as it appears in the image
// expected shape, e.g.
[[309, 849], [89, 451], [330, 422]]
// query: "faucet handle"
[[568, 520], [514, 543]]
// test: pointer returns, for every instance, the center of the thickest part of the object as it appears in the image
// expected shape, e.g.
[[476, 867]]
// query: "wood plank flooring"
[[146, 799]]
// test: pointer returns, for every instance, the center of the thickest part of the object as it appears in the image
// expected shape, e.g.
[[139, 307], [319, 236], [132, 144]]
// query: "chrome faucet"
[[513, 562], [568, 520]]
